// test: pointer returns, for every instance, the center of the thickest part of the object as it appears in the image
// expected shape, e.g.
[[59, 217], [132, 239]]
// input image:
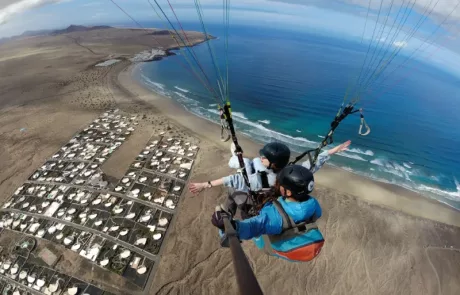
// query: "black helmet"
[[276, 153], [298, 179]]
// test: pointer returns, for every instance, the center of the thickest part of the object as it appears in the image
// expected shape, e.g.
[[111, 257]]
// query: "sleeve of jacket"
[[322, 159], [235, 164], [267, 222], [236, 181]]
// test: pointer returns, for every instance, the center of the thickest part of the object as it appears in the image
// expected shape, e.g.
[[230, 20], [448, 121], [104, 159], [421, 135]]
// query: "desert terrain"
[[380, 239]]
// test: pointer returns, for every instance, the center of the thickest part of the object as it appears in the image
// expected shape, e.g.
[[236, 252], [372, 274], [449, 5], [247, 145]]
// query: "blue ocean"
[[288, 86]]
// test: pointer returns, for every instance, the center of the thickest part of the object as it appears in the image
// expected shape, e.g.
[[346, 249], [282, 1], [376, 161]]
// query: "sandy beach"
[[380, 238]]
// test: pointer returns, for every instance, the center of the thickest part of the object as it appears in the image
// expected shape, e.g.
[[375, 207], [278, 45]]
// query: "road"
[[123, 196]]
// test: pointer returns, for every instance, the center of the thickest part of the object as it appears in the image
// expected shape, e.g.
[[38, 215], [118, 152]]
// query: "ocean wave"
[[181, 89], [213, 105], [438, 194], [407, 165], [266, 122], [359, 151], [298, 144], [180, 95], [351, 156], [346, 168], [399, 167], [320, 136], [265, 134], [394, 172], [184, 98], [435, 178], [454, 196], [156, 89], [393, 168], [159, 86], [161, 89], [239, 115], [378, 161]]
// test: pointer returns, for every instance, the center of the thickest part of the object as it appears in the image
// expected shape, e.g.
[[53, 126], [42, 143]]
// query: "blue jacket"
[[236, 181], [269, 220], [302, 247]]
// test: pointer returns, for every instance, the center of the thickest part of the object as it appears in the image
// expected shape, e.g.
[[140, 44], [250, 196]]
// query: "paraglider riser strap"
[[328, 139]]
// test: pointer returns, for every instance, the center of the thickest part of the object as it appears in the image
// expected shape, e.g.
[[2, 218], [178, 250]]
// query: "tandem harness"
[[250, 203], [304, 252]]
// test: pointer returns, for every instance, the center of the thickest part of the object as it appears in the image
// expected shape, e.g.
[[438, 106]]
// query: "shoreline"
[[373, 191], [371, 244]]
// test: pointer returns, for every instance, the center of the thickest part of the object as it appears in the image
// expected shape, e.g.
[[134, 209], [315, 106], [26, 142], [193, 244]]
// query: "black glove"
[[218, 219]]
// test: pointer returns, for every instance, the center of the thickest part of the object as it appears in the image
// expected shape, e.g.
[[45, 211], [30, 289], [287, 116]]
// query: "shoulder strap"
[[264, 179], [290, 228], [288, 223]]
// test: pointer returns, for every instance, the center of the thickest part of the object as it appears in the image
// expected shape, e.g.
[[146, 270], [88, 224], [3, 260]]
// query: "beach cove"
[[286, 86]]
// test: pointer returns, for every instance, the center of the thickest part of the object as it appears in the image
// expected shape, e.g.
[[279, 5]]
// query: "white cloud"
[[20, 6], [99, 15], [91, 4], [400, 43], [436, 8]]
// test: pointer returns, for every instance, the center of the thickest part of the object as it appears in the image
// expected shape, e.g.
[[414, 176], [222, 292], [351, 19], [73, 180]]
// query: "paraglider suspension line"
[[328, 139]]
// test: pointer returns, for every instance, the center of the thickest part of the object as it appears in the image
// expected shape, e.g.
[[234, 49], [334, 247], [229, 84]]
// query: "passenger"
[[285, 227], [262, 170], [274, 156]]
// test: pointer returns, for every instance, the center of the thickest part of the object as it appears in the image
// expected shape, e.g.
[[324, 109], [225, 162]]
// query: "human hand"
[[340, 148], [218, 216], [196, 188]]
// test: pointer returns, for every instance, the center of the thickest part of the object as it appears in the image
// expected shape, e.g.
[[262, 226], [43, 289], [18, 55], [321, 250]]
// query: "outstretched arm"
[[235, 181], [326, 155], [197, 187], [340, 148]]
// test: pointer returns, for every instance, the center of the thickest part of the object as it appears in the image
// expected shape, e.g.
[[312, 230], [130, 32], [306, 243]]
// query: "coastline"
[[370, 247], [379, 193]]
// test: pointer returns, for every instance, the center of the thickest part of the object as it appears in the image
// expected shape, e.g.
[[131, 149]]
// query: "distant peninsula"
[[159, 43]]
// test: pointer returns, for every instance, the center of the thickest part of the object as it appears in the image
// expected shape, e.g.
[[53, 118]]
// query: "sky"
[[436, 21]]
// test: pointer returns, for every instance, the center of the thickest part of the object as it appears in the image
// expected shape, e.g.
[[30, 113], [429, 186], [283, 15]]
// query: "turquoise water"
[[287, 86]]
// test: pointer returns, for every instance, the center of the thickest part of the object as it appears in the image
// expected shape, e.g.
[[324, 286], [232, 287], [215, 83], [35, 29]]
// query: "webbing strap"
[[288, 223], [363, 123], [290, 228], [264, 179]]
